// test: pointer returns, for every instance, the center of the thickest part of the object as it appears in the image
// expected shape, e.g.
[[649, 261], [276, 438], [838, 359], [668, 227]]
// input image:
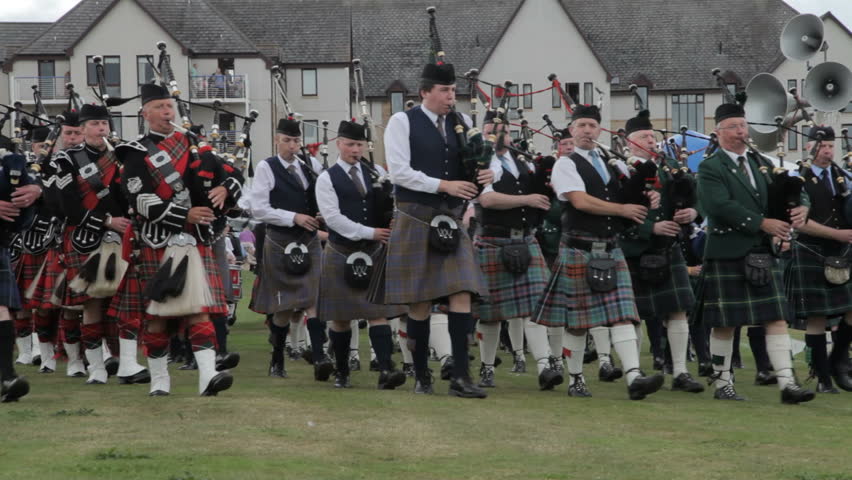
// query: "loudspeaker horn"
[[828, 86], [767, 99], [802, 37]]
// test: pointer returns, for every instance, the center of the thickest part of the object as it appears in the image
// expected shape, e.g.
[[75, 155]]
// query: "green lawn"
[[297, 428]]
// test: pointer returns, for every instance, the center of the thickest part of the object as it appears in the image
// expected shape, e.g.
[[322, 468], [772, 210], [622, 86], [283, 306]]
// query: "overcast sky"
[[50, 10]]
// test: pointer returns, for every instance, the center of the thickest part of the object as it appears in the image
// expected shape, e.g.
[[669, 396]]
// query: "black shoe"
[[463, 387], [342, 381], [12, 390], [497, 362], [643, 386], [578, 388], [221, 382], [307, 355], [556, 365], [408, 369], [142, 376], [159, 393], [111, 365], [354, 365], [685, 383], [727, 393], [520, 365], [609, 372], [549, 378], [190, 364], [765, 377], [45, 369], [794, 394], [705, 369], [826, 388], [277, 370], [447, 369], [840, 374], [323, 369], [486, 377], [390, 379], [374, 365], [37, 360], [423, 385], [227, 361], [590, 355]]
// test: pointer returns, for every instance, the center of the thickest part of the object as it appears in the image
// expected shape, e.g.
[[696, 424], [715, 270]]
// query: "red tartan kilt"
[[27, 269], [73, 261], [47, 281], [127, 304], [149, 263]]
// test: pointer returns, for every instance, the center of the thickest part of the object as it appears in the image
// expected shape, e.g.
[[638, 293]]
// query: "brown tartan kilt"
[[337, 300], [509, 295], [414, 272], [279, 291], [149, 263], [26, 273], [672, 296]]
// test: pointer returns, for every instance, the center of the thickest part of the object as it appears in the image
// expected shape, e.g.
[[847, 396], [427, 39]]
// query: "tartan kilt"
[[672, 296], [414, 272], [73, 261], [127, 305], [150, 260], [509, 295], [726, 299], [47, 281], [279, 291], [28, 270], [337, 300], [808, 292], [10, 295], [570, 302]]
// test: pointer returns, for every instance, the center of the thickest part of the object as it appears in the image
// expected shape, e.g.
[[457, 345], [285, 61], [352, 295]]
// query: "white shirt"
[[565, 178], [264, 182], [398, 153], [329, 204], [735, 156], [496, 166]]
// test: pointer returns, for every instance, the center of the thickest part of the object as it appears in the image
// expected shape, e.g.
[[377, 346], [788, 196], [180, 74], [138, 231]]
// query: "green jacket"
[[733, 208], [638, 239]]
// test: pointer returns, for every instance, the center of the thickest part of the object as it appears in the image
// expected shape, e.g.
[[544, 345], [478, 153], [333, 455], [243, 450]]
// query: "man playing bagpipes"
[[347, 200], [741, 282], [175, 192], [88, 180], [590, 285], [657, 268], [511, 259], [818, 274]]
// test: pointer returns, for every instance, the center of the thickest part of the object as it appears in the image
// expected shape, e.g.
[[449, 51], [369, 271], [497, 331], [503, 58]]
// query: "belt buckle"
[[516, 233], [598, 247]]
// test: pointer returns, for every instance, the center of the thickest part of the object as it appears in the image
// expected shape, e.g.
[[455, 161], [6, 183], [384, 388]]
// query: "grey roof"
[[392, 38], [15, 35], [676, 43], [195, 24], [294, 31]]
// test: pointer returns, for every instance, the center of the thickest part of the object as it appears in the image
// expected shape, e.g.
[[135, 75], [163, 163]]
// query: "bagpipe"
[[640, 177]]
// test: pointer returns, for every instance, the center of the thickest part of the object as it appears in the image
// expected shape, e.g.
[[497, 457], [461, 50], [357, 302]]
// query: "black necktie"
[[826, 179], [292, 170]]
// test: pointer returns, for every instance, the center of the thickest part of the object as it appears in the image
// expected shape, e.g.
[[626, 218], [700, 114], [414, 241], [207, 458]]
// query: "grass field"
[[297, 428]]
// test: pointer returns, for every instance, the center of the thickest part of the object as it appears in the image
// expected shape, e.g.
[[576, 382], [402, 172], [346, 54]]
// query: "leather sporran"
[[444, 234], [297, 259], [758, 269], [654, 268], [359, 270], [601, 274], [516, 258]]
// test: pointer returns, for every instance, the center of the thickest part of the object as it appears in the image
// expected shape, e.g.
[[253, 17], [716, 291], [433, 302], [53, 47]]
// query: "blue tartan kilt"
[[809, 293], [509, 295], [569, 302], [672, 296], [10, 296], [726, 299]]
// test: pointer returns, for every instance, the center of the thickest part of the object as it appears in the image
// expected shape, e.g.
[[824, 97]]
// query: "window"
[[588, 93], [47, 87], [840, 135], [688, 109], [116, 123], [309, 82], [642, 92], [397, 102], [573, 91], [144, 69], [310, 131], [791, 84], [46, 68], [528, 99], [112, 73], [732, 88], [513, 99]]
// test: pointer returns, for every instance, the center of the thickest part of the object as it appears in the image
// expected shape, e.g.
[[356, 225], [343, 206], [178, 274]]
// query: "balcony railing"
[[50, 88], [218, 87]]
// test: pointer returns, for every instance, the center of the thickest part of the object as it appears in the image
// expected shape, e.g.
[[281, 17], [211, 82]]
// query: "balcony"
[[226, 88], [52, 90]]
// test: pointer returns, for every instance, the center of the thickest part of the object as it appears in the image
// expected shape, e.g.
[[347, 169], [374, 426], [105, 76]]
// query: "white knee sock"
[[439, 337], [556, 341], [625, 344], [721, 352], [489, 337], [602, 344], [127, 364], [516, 335], [779, 349], [576, 346], [160, 380], [678, 335], [639, 332], [537, 340]]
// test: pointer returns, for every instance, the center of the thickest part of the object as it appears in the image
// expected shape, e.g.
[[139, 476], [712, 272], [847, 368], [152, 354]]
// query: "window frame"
[[316, 82]]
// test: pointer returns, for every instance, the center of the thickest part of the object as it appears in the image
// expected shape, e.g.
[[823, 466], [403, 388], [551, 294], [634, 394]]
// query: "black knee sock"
[[757, 342], [418, 343], [819, 357], [380, 338], [701, 341], [655, 336], [279, 338], [736, 358], [7, 342], [842, 339], [459, 326], [340, 344], [220, 323], [316, 330]]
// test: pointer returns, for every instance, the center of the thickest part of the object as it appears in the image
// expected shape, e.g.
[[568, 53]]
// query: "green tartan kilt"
[[569, 302], [808, 291], [509, 295], [726, 299], [673, 295]]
